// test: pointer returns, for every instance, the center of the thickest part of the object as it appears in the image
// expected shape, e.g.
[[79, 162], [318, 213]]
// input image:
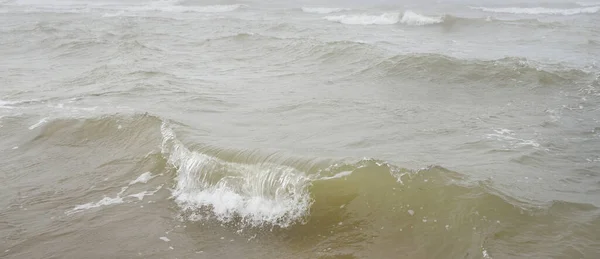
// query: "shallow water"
[[297, 129]]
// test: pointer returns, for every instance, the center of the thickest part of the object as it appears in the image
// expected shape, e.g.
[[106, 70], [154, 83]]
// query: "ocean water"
[[299, 129]]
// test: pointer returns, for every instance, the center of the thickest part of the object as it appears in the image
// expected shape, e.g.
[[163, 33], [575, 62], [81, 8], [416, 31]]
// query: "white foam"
[[508, 136], [143, 178], [338, 175], [258, 194], [166, 239], [541, 10], [323, 10], [412, 18], [104, 202], [383, 19], [140, 196], [39, 123]]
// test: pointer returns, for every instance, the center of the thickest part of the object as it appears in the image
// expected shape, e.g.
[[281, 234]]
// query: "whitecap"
[[412, 18], [383, 19]]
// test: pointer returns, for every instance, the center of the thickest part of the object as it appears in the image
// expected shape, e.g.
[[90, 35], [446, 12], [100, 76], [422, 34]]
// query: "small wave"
[[506, 71], [383, 19], [540, 10], [323, 10], [412, 18]]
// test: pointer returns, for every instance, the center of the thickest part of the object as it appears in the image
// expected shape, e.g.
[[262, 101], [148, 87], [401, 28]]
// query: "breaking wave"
[[306, 198], [383, 19], [254, 194], [412, 18], [323, 10], [408, 18]]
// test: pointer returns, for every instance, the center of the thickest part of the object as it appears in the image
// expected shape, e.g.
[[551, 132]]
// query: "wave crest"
[[507, 71], [412, 18], [383, 19], [252, 194]]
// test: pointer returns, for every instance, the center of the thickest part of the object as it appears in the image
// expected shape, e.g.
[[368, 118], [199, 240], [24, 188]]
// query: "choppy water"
[[299, 129]]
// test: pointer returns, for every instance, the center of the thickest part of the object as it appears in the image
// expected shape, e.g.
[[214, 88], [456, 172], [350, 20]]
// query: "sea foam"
[[364, 19]]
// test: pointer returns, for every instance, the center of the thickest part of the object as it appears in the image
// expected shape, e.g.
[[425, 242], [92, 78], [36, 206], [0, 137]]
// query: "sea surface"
[[299, 129]]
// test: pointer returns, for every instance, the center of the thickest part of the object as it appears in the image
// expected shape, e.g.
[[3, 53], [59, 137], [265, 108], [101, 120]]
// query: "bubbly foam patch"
[[104, 202], [541, 10], [254, 194], [119, 198], [323, 10], [383, 19], [508, 136], [143, 178], [412, 18]]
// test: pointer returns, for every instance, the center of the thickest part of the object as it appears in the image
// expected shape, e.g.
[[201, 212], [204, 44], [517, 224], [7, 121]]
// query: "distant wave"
[[323, 10], [540, 10], [503, 72], [412, 18], [408, 18], [586, 4], [157, 6], [174, 7], [363, 19]]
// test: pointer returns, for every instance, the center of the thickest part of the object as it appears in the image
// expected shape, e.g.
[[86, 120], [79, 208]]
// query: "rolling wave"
[[353, 200], [507, 71], [383, 19], [254, 194], [407, 18], [540, 10]]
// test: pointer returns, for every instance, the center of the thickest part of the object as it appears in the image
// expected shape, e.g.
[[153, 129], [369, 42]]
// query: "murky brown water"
[[185, 129]]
